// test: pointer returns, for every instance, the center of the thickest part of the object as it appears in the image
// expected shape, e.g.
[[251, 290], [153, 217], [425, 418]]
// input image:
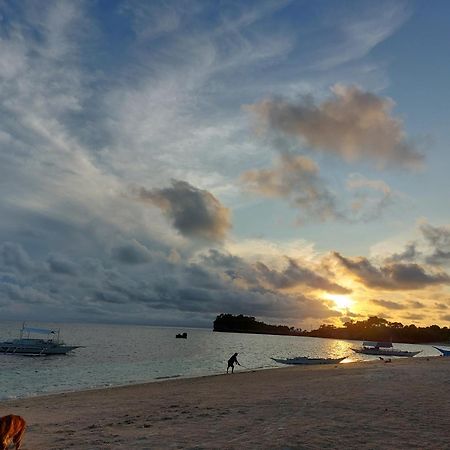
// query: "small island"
[[374, 329], [247, 324]]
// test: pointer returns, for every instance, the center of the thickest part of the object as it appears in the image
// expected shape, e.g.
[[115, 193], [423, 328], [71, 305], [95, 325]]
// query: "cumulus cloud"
[[353, 124], [193, 212], [438, 239], [297, 179], [393, 276]]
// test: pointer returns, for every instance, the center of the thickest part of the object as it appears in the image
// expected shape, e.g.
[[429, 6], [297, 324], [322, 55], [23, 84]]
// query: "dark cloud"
[[354, 124], [295, 178], [414, 317], [391, 276], [193, 212], [60, 264], [13, 256], [294, 275], [388, 304], [441, 306], [416, 304], [410, 253], [131, 253], [161, 289], [439, 240]]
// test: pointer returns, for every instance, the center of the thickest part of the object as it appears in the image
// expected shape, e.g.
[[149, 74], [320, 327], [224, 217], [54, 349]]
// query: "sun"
[[341, 301]]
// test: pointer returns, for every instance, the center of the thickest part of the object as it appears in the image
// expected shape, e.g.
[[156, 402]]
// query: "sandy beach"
[[404, 404]]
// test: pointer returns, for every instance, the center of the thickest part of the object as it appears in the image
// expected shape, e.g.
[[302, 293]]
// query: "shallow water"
[[125, 354]]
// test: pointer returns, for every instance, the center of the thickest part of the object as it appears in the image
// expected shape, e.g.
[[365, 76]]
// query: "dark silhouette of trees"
[[248, 324], [379, 329], [373, 329]]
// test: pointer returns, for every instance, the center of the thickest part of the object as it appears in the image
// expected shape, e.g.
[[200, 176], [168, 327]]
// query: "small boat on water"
[[382, 349], [305, 360], [28, 345], [444, 351], [181, 335]]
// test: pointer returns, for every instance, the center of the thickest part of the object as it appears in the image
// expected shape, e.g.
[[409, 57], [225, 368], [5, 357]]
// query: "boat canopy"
[[38, 330], [377, 344]]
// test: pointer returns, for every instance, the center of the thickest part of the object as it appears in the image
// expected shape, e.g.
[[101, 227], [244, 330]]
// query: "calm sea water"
[[125, 354]]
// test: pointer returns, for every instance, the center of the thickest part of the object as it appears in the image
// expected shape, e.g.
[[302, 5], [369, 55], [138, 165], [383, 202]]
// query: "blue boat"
[[445, 352]]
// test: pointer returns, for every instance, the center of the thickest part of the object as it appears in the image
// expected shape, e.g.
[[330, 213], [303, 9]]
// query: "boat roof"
[[377, 344]]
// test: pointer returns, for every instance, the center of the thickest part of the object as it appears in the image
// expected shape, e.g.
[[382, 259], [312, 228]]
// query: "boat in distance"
[[382, 349], [444, 351], [305, 360], [28, 345]]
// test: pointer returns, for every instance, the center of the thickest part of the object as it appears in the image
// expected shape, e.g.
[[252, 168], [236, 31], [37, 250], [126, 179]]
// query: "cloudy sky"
[[163, 162]]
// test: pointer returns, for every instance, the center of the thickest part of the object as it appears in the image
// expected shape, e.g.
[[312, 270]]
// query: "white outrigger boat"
[[27, 345], [305, 360], [382, 349]]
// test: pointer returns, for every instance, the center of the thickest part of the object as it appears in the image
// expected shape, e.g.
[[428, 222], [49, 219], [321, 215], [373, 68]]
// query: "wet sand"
[[404, 404]]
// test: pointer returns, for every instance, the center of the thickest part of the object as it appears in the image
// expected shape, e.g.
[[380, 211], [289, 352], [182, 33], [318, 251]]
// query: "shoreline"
[[144, 383], [309, 407], [212, 375]]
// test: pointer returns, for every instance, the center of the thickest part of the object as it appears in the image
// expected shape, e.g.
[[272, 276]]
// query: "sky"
[[164, 162]]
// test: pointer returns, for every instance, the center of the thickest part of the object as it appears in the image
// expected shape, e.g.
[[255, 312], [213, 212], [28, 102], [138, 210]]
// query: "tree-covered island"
[[372, 329]]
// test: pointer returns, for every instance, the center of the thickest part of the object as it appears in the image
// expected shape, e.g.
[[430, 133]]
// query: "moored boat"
[[382, 349], [444, 351], [305, 360], [28, 345]]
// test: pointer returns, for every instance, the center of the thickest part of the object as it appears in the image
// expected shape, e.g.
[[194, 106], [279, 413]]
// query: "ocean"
[[125, 354]]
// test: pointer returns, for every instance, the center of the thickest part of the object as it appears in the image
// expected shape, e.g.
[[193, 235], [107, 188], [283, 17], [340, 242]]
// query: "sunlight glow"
[[341, 301]]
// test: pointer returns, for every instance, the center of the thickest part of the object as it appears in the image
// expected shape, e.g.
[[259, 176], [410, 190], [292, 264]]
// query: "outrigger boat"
[[306, 360], [444, 351], [382, 349], [28, 345]]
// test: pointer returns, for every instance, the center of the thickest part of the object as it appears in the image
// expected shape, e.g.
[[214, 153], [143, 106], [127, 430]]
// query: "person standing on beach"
[[232, 361]]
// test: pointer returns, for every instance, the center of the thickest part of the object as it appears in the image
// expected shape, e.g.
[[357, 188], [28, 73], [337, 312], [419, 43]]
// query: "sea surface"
[[126, 354]]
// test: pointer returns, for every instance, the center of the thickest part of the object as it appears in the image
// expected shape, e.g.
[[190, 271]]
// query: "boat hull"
[[34, 350], [380, 352], [308, 361], [445, 352]]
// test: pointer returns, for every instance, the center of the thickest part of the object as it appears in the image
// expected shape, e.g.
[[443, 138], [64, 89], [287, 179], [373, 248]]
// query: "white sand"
[[405, 404]]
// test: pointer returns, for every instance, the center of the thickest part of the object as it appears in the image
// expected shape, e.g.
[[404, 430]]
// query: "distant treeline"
[[372, 329], [378, 329], [246, 324]]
